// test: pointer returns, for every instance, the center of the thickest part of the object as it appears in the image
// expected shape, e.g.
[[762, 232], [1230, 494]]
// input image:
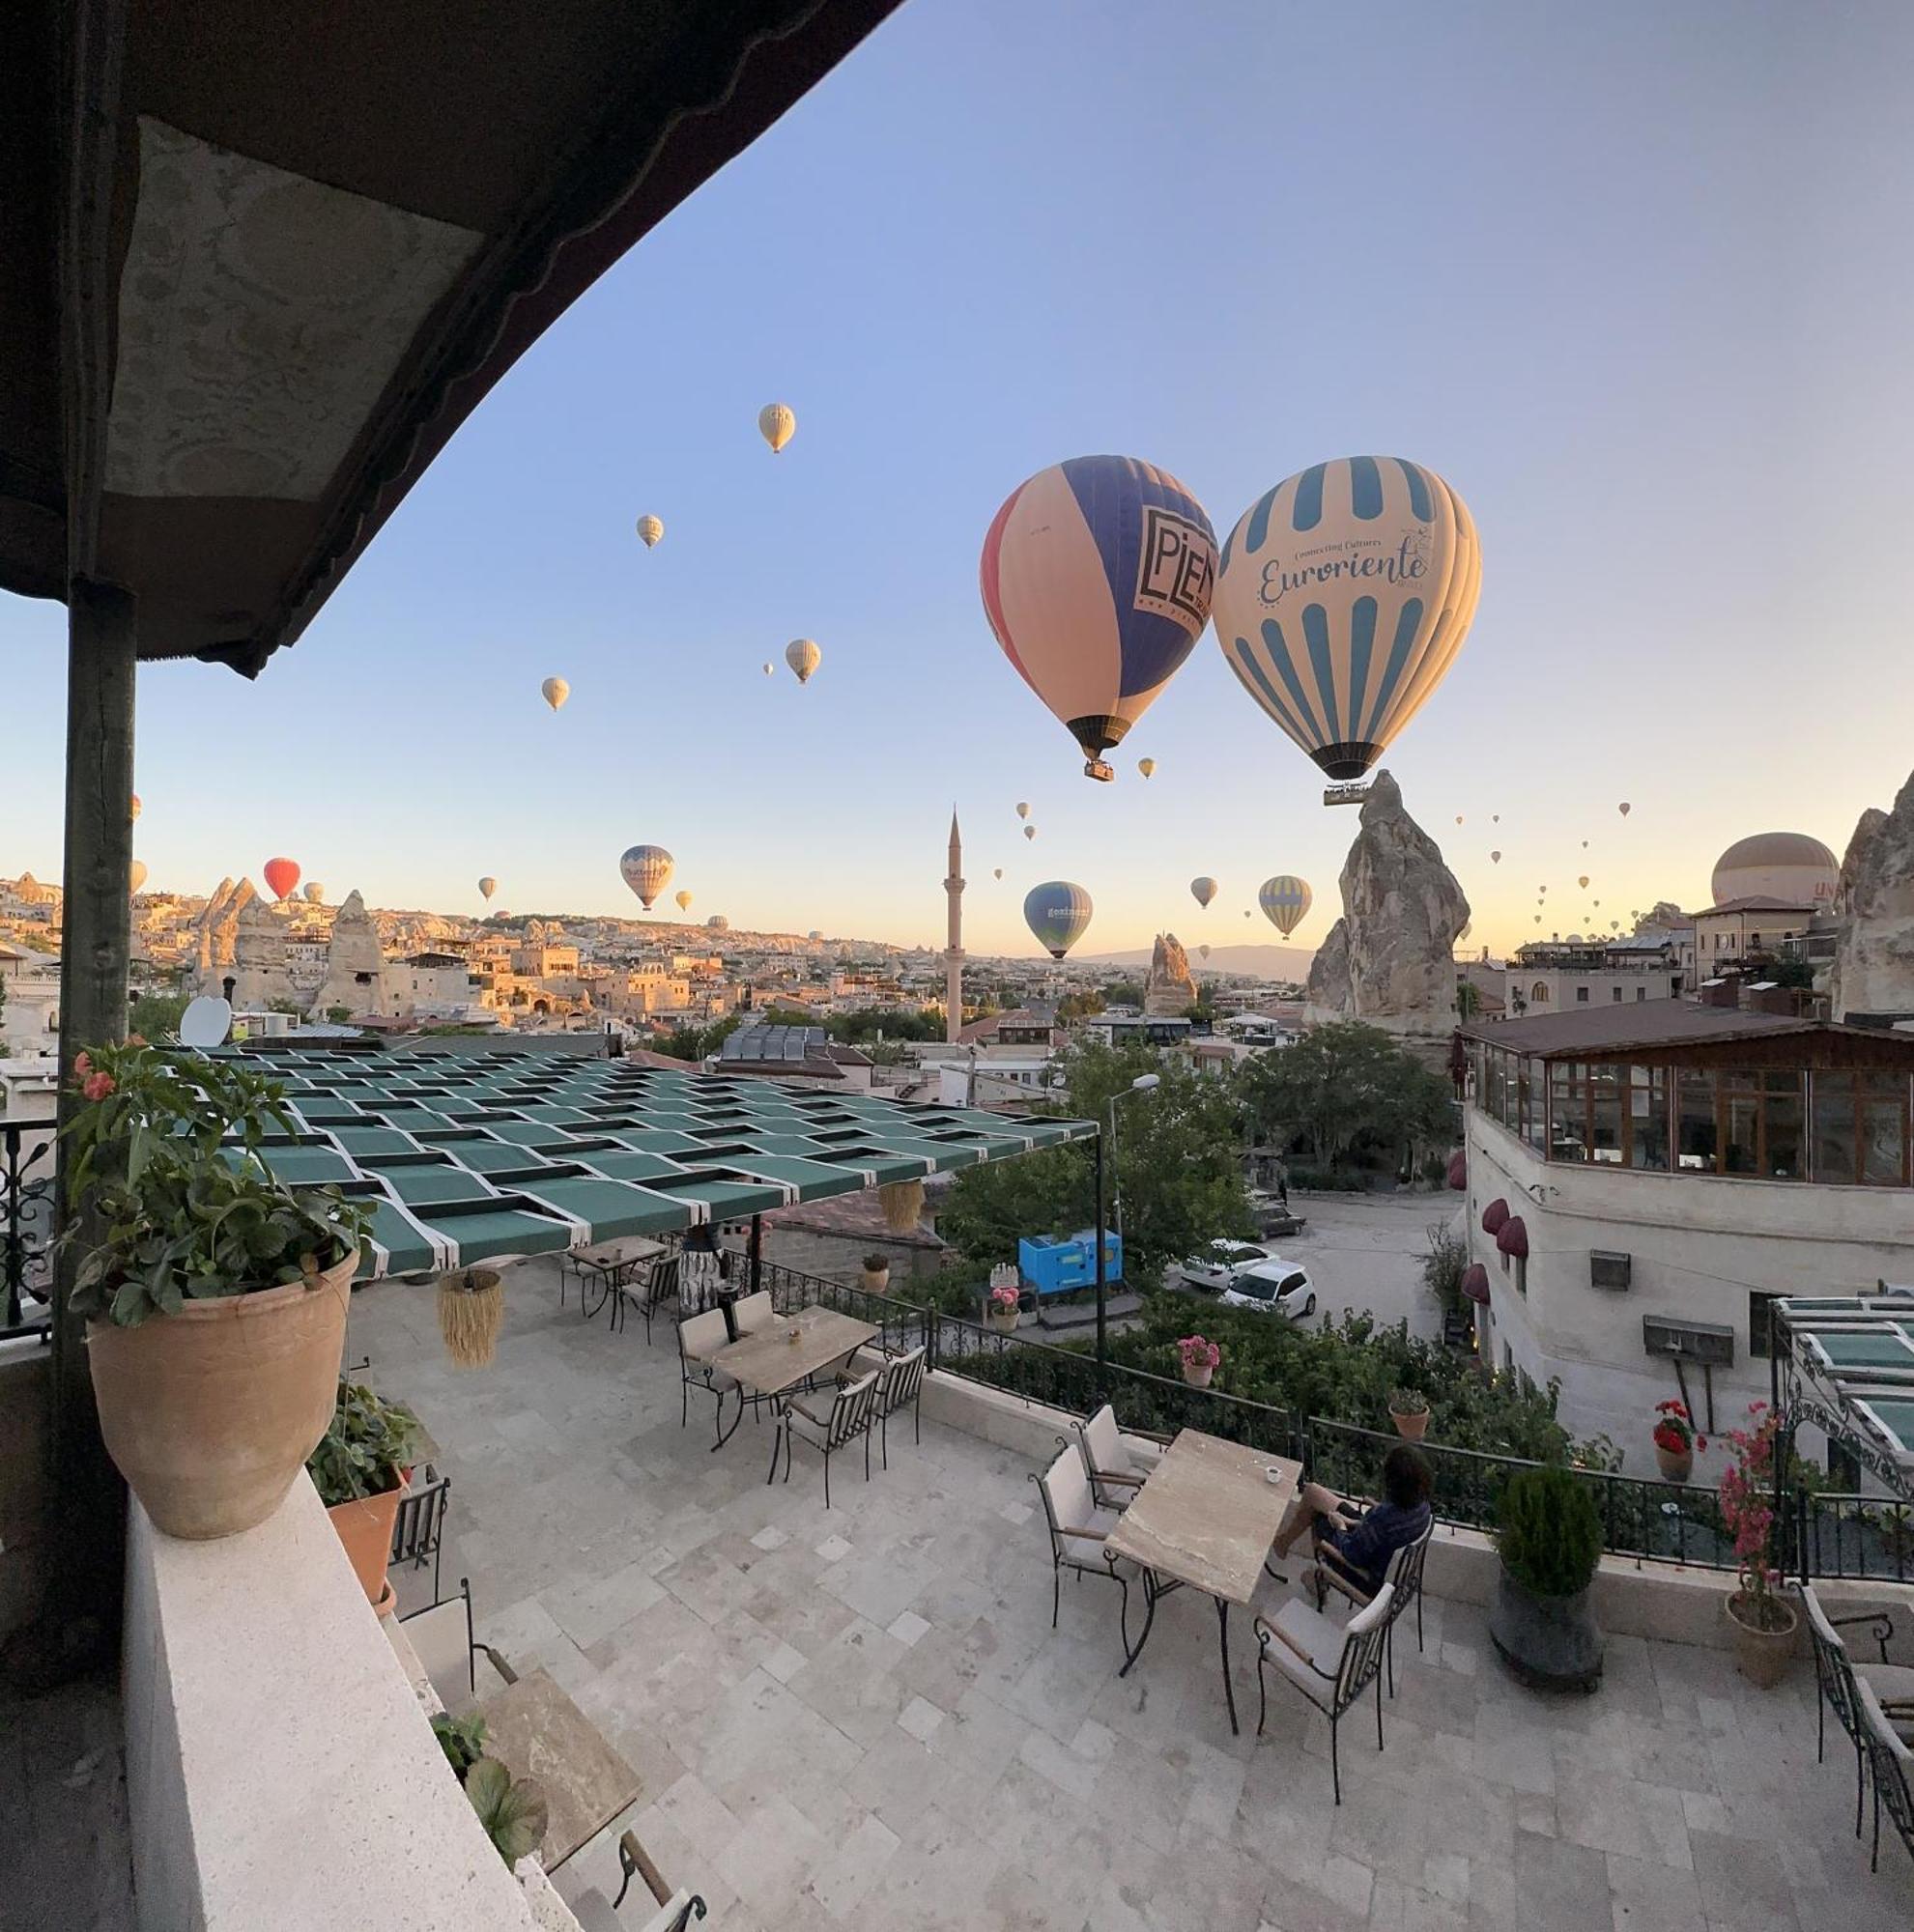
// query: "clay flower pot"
[[210, 1413], [1676, 1465], [1410, 1424], [1760, 1655], [365, 1527], [1197, 1378], [1004, 1320], [877, 1281]]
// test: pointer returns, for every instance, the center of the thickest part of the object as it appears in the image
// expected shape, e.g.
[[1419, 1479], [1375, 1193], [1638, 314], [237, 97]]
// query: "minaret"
[[953, 943]]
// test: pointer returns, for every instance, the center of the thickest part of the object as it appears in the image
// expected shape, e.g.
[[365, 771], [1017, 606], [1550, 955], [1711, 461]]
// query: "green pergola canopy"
[[496, 1156], [1847, 1365]]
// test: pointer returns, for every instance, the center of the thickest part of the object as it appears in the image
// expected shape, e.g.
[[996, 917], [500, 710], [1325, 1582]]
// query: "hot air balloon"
[[315, 892], [1584, 844], [777, 424], [998, 873], [1247, 913], [647, 871], [650, 529], [1344, 596], [1023, 810], [1623, 809], [1097, 576], [1147, 766], [282, 875], [684, 900], [555, 690], [135, 808], [1541, 889], [1458, 818], [1583, 880], [1057, 913], [1030, 832], [136, 876], [717, 922], [770, 670], [1204, 949], [803, 657], [487, 886], [1495, 818], [1494, 858], [1285, 901], [1203, 890]]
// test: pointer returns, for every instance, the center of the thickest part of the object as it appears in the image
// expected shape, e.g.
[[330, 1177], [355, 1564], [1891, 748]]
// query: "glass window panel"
[[1784, 1127], [1739, 1095], [1534, 1115], [1694, 1119], [1837, 1159], [1647, 1118], [1884, 1130], [1605, 1090], [1569, 1101]]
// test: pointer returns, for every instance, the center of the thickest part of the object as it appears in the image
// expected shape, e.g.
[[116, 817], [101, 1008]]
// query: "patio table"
[[769, 1362], [609, 1266], [1205, 1516], [536, 1731]]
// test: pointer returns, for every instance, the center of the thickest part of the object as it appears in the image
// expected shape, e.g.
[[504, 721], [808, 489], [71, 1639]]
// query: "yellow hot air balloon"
[[650, 529], [487, 886], [555, 690], [1203, 890], [1147, 766], [1030, 832], [137, 876], [1344, 595], [1023, 808], [684, 900], [1285, 900], [803, 657], [777, 424], [1583, 880]]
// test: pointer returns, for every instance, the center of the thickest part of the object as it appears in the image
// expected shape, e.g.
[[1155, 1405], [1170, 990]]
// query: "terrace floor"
[[863, 1719]]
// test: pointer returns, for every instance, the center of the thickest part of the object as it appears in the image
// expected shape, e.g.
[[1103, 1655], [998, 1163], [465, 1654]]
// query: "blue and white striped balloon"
[[1344, 596], [1058, 915], [1285, 900]]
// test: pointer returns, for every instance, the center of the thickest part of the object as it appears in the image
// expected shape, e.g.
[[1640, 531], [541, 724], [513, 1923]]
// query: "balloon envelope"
[[1494, 858], [315, 892], [650, 529], [1203, 890], [647, 869], [282, 875], [1097, 576], [1583, 880], [998, 873], [1344, 596], [1147, 766], [555, 690], [1030, 832], [1057, 913], [1023, 808], [1623, 810], [684, 900], [777, 424], [803, 657], [1204, 950], [1285, 900], [487, 886], [137, 876], [135, 808]]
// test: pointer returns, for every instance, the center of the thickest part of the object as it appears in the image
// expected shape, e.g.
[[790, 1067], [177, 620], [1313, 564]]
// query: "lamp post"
[[1144, 1083]]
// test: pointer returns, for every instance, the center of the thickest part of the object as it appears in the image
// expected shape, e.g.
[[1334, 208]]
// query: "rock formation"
[[1666, 917], [1874, 962], [1169, 990], [259, 971], [218, 932], [1389, 959], [355, 964]]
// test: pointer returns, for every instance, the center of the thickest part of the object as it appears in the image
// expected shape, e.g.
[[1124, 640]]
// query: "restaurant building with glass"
[[1642, 1179]]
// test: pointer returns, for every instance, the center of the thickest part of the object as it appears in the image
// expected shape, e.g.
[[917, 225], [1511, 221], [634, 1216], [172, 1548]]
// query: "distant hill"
[[1258, 962]]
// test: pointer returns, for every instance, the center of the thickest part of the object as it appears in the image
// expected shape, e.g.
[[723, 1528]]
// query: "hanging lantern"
[[902, 1202], [472, 1311]]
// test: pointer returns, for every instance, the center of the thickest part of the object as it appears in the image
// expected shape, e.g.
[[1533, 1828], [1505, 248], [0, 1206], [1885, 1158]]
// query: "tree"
[[694, 1042], [1345, 1092], [1468, 1000], [155, 1015], [1079, 1006]]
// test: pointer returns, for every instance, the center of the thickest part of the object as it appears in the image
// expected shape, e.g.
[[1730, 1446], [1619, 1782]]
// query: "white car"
[[1273, 1286], [1212, 1268]]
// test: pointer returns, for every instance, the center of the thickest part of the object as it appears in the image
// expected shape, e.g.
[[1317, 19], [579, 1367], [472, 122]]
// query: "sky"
[[1634, 279]]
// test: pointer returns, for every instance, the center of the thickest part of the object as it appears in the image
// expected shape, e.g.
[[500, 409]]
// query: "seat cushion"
[[1891, 1684], [1308, 1626], [1141, 1454]]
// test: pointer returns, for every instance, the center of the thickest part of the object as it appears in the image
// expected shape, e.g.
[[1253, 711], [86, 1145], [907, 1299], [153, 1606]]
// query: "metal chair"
[[660, 1290], [899, 1385], [848, 1417], [1837, 1676], [1331, 1664], [441, 1638], [753, 1312], [1892, 1763], [419, 1527], [1117, 1460], [1079, 1527], [1404, 1575], [699, 1336]]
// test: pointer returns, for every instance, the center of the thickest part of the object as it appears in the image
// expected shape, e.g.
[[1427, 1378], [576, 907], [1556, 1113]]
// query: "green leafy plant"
[[1445, 1261], [877, 1264], [1408, 1402], [366, 1447], [167, 1148], [1549, 1532], [512, 1809], [462, 1739]]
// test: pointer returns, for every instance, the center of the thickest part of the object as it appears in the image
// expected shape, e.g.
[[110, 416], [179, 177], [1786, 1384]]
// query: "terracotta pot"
[[1761, 1655], [365, 1527], [877, 1281], [1676, 1465], [1197, 1379], [1006, 1321], [210, 1413], [1411, 1428]]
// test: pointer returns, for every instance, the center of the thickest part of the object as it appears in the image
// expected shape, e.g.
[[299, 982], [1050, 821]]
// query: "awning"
[[1846, 1365], [1458, 1170], [1494, 1215], [1513, 1239], [1476, 1282], [497, 1155]]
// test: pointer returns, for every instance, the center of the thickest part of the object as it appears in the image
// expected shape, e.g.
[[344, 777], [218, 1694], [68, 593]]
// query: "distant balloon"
[[647, 871], [1203, 890], [1204, 949], [1541, 889], [998, 873], [770, 670], [650, 529], [135, 808], [1495, 818], [1583, 880], [1097, 576], [1023, 808], [1344, 596], [1030, 832], [717, 922], [315, 892], [137, 876], [1494, 858], [1584, 844], [1285, 900], [487, 886], [1247, 914], [555, 690], [1057, 913], [1623, 808], [1147, 766], [777, 424], [1458, 818], [816, 932], [684, 900], [282, 875], [803, 657]]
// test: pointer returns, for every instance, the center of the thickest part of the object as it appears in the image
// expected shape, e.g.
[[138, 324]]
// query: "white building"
[[1552, 976], [30, 1010], [1666, 1169]]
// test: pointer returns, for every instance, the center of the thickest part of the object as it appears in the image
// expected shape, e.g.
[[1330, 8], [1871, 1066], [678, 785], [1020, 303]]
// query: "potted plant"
[[1675, 1442], [472, 1311], [1764, 1620], [1548, 1536], [1200, 1360], [878, 1273], [1003, 1309], [214, 1294], [1409, 1410], [359, 1470], [512, 1809]]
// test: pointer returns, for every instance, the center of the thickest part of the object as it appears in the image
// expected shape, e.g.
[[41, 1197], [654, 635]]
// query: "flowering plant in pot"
[[878, 1273], [359, 1470], [1200, 1359], [214, 1294], [1764, 1620], [1409, 1410], [1003, 1308], [1675, 1440]]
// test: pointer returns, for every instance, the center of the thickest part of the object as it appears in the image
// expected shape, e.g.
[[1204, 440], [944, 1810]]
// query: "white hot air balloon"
[[803, 657], [647, 871], [777, 424], [1030, 832], [314, 891], [1203, 890], [138, 877], [1023, 808], [770, 670], [649, 530], [555, 690], [487, 886]]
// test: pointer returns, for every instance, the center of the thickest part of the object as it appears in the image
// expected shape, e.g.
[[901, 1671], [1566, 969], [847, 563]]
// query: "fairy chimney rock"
[[1874, 963]]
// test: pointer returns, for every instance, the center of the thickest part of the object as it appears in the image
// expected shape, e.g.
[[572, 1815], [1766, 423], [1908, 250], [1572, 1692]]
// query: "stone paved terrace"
[[864, 1719]]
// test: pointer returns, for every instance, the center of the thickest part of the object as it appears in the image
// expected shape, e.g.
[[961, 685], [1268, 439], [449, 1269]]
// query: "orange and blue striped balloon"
[[1344, 596], [1097, 577]]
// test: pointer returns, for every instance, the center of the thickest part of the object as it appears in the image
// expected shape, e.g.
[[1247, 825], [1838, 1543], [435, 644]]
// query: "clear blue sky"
[[1635, 278]]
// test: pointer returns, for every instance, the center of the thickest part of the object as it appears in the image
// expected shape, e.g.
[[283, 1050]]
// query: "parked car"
[[1273, 1285], [1212, 1268]]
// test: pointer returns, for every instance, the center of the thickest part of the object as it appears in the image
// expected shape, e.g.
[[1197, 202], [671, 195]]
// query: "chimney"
[[1719, 993]]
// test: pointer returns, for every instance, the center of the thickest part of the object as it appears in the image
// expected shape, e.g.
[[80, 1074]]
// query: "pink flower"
[[96, 1086], [82, 1065]]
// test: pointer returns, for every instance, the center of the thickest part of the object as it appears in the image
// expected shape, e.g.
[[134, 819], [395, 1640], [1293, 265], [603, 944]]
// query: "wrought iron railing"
[[1869, 1537], [26, 1225]]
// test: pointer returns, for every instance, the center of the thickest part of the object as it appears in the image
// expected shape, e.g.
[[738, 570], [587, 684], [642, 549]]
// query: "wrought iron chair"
[[1331, 1664], [1116, 1459], [827, 1431], [900, 1385], [1404, 1576], [1893, 1762], [441, 1638], [753, 1312], [1835, 1675], [1079, 1527], [660, 1290], [701, 1336], [419, 1528]]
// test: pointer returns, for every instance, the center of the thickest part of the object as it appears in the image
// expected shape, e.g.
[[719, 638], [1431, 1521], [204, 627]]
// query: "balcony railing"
[[26, 1225]]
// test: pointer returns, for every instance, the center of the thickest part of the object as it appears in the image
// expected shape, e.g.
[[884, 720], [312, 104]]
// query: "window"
[[1539, 993], [1582, 996], [1694, 1121], [1522, 1274], [1641, 993], [1605, 1095], [1647, 1119], [1615, 993], [1568, 1110]]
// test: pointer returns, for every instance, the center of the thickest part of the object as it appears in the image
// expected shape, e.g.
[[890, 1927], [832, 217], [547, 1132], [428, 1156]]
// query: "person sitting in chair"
[[1357, 1544]]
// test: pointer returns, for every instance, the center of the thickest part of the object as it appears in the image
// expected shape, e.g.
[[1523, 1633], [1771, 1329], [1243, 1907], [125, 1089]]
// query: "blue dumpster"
[[1054, 1264]]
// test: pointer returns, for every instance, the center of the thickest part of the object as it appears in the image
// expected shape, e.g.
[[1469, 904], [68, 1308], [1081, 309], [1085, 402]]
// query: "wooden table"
[[1205, 1516], [610, 1264], [536, 1731], [769, 1362]]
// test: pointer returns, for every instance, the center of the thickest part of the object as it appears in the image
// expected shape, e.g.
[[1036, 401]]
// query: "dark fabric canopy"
[[1458, 1170], [1494, 1215], [1513, 1240], [1476, 1282]]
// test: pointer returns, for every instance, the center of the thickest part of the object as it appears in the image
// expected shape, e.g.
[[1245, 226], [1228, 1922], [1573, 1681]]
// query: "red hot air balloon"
[[1097, 576], [282, 875]]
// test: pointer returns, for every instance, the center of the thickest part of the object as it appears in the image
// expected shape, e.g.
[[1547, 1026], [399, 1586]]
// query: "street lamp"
[[1144, 1083]]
